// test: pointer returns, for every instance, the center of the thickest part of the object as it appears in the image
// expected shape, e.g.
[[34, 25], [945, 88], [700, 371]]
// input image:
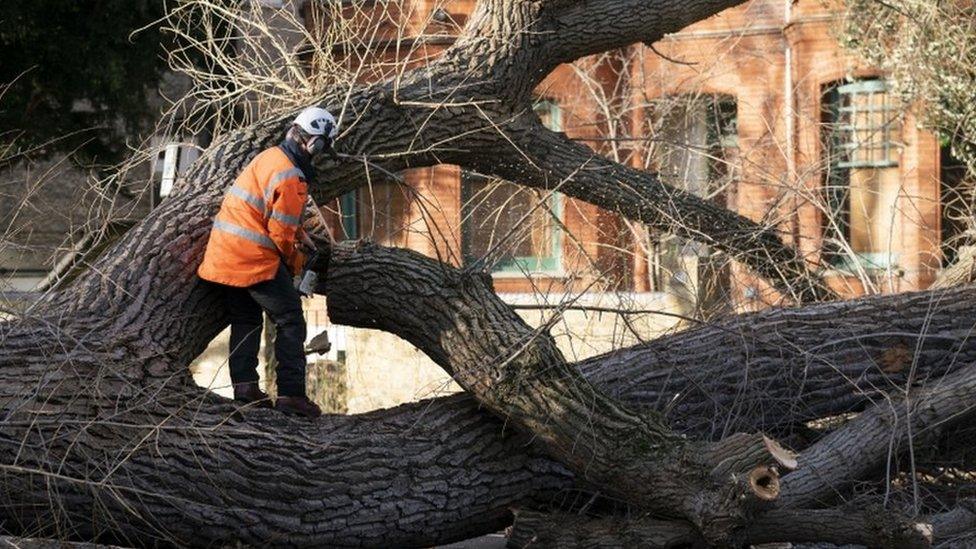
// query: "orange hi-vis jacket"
[[258, 223]]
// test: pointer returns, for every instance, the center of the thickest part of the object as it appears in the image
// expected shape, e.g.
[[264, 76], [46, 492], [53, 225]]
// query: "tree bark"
[[539, 530], [871, 526], [104, 436], [963, 271], [888, 429], [507, 472], [510, 474], [528, 382], [795, 333]]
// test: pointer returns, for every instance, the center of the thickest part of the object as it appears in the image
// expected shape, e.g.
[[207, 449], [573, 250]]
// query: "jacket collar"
[[298, 157]]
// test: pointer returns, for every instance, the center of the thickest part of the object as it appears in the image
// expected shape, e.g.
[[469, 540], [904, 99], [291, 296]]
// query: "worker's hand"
[[306, 242], [319, 262]]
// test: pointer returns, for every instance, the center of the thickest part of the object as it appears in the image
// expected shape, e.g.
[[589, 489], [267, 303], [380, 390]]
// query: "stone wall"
[[368, 369]]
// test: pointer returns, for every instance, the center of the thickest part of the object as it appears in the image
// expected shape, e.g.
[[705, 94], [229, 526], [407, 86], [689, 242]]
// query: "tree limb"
[[538, 157]]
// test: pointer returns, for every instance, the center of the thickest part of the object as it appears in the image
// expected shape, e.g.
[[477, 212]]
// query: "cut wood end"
[[925, 530], [764, 482], [786, 458]]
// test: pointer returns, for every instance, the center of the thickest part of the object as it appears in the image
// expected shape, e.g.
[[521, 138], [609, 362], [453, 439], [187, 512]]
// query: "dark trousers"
[[279, 298]]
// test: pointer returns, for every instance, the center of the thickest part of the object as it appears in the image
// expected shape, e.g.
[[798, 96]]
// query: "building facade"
[[758, 109]]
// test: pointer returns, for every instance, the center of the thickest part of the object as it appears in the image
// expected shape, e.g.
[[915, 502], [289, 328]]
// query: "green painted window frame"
[[349, 215], [869, 87], [544, 265], [837, 178]]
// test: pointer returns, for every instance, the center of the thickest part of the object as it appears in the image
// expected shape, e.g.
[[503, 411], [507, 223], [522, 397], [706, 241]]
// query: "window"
[[511, 228], [348, 218], [861, 122], [697, 138], [866, 120], [694, 147]]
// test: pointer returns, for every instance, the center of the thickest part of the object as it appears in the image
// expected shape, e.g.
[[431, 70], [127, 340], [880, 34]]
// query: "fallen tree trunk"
[[154, 412], [185, 465], [473, 482], [103, 435], [87, 454], [776, 369], [889, 428], [823, 472], [773, 370], [541, 530], [871, 527], [383, 278], [526, 381]]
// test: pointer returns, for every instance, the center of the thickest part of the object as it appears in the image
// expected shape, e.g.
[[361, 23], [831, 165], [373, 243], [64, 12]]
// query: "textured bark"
[[956, 527], [872, 527], [168, 464], [771, 370], [540, 530], [476, 480], [103, 435], [504, 476], [963, 271], [778, 368], [865, 525], [33, 543], [526, 381], [886, 430]]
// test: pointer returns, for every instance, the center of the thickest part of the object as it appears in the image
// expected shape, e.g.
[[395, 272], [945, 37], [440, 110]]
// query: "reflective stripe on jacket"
[[258, 223]]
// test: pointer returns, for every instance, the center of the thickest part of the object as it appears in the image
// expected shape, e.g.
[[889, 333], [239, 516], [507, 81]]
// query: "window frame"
[[550, 265], [869, 87], [839, 156], [349, 214]]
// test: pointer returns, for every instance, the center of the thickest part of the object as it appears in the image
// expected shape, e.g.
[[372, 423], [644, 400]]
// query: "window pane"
[[866, 108], [512, 227], [348, 215], [512, 224]]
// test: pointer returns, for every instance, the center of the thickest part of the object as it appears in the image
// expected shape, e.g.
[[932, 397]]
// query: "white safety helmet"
[[317, 121]]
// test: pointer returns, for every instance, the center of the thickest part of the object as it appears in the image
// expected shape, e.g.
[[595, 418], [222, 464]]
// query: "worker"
[[254, 253]]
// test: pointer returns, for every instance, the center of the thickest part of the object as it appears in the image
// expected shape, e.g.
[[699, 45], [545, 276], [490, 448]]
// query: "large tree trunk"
[[103, 434], [189, 461]]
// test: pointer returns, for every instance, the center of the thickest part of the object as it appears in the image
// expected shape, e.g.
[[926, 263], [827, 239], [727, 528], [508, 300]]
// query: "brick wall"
[[772, 56]]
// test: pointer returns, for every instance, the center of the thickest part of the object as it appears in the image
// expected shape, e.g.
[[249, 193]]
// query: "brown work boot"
[[297, 406], [249, 393]]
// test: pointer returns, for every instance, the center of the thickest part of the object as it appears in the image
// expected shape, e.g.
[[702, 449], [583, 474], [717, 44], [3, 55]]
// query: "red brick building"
[[757, 108]]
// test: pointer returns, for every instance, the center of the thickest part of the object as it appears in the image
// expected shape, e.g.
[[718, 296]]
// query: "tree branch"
[[537, 157], [870, 526], [891, 427]]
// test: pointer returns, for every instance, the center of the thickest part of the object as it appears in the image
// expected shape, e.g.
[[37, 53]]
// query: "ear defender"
[[317, 145]]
